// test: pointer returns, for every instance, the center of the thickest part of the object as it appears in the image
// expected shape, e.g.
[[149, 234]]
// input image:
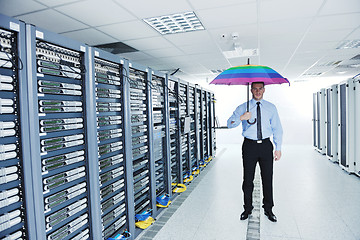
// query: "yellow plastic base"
[[196, 172], [145, 224], [179, 188], [189, 179], [159, 205]]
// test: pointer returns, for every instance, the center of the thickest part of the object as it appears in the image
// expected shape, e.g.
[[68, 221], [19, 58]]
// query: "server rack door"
[[193, 141], [342, 130], [334, 122], [141, 132], [350, 126], [315, 117], [318, 121], [159, 142], [328, 122], [322, 121], [357, 126], [108, 80], [59, 155], [16, 203]]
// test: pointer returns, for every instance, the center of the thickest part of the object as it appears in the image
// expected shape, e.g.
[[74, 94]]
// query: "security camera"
[[235, 35], [223, 36]]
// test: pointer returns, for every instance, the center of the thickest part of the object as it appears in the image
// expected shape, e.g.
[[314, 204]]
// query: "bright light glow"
[[349, 44], [175, 23]]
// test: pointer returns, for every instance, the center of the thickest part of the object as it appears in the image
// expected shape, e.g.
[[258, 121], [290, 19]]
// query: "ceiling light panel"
[[175, 23]]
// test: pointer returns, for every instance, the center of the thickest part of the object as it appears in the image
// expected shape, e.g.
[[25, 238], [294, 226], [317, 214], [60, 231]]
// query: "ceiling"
[[298, 38]]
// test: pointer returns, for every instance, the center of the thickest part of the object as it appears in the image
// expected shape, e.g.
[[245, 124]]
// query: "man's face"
[[257, 91]]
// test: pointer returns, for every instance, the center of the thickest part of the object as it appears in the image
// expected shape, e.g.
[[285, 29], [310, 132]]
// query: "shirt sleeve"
[[234, 120], [277, 130]]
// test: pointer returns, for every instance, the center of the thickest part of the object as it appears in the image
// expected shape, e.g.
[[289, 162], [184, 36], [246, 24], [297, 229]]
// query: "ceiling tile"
[[336, 22], [206, 4], [144, 9], [327, 36], [275, 10], [206, 47], [149, 43], [90, 36], [355, 34], [135, 56], [228, 16], [96, 13], [188, 38], [52, 21], [52, 3], [129, 30], [18, 7], [338, 7], [164, 52]]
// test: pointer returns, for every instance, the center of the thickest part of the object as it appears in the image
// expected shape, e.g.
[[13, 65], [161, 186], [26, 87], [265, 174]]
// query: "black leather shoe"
[[245, 215], [271, 216]]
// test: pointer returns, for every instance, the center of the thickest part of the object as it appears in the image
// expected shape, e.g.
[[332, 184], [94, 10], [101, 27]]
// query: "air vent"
[[116, 48], [217, 70], [329, 64]]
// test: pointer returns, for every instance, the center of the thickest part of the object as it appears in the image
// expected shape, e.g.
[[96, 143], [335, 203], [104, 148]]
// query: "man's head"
[[257, 90]]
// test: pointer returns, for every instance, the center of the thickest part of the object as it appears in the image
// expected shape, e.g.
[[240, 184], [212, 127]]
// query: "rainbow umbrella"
[[246, 74]]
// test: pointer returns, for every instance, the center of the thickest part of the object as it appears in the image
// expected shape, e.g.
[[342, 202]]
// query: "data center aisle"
[[314, 199]]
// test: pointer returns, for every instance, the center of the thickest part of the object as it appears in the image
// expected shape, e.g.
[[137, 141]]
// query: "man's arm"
[[277, 134], [238, 115]]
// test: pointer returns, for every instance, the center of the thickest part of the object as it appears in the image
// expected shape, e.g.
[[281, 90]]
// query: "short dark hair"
[[252, 84]]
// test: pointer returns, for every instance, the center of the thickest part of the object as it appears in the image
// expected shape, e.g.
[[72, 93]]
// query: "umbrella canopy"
[[246, 74]]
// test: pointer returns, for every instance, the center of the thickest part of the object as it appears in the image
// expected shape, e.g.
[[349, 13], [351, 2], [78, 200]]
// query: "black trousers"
[[253, 152]]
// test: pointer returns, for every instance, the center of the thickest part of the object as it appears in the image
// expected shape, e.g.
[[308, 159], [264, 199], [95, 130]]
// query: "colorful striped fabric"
[[245, 74]]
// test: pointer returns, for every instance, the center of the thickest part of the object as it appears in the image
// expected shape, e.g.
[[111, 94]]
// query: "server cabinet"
[[109, 186], [194, 163], [332, 122], [143, 166], [357, 125], [160, 141], [212, 132], [175, 135], [199, 122], [315, 121], [59, 154], [16, 203], [346, 125], [184, 130], [321, 121]]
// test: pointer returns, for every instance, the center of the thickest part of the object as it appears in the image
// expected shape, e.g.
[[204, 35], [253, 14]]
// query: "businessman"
[[257, 146]]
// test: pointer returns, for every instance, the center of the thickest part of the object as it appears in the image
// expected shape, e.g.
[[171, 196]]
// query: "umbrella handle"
[[251, 123]]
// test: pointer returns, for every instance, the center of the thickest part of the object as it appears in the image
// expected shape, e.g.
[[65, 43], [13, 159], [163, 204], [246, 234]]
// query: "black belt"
[[257, 141]]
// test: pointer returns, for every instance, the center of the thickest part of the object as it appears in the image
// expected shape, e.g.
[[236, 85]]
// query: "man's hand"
[[245, 116], [277, 155]]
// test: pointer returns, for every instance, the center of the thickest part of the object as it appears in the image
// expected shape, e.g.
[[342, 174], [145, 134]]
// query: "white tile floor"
[[314, 200]]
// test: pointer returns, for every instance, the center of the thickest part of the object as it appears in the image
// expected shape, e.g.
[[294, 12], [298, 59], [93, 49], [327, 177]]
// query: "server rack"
[[204, 123], [332, 122], [160, 132], [315, 121], [357, 126], [185, 130], [212, 138], [346, 125], [194, 163], [200, 127], [321, 121], [141, 136], [16, 203], [107, 85], [175, 135], [59, 153]]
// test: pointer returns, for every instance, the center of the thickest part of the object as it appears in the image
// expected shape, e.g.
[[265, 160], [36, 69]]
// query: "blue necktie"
[[259, 133]]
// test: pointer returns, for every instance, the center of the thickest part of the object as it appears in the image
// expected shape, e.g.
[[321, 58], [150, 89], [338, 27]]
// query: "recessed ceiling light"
[[175, 23], [349, 44]]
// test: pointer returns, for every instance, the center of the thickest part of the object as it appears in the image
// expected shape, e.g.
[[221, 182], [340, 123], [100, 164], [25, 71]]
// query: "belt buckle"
[[259, 141]]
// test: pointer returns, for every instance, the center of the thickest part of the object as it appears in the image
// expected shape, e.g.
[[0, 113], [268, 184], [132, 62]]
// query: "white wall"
[[294, 104]]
